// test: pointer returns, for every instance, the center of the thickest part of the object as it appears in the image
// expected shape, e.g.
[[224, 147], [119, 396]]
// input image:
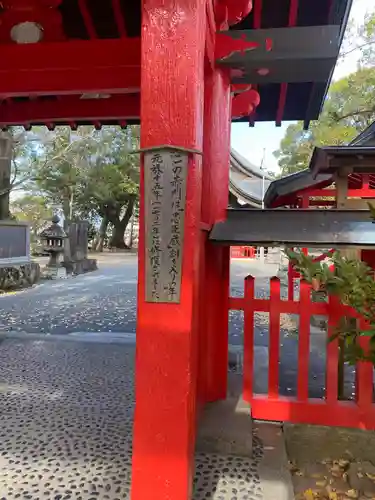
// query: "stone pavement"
[[66, 411], [341, 479], [331, 463], [105, 301], [65, 420]]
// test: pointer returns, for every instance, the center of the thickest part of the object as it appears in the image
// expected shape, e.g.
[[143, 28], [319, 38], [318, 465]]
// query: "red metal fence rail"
[[302, 409]]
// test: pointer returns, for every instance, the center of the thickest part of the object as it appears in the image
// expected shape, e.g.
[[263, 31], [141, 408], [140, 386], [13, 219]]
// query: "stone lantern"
[[53, 242]]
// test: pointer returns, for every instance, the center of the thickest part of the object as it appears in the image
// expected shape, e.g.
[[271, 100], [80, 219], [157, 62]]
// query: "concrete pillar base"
[[226, 428]]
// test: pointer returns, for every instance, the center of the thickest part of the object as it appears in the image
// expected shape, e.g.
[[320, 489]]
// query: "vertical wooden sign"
[[165, 179]]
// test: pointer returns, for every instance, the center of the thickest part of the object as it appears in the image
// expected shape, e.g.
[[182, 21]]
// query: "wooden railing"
[[331, 410]]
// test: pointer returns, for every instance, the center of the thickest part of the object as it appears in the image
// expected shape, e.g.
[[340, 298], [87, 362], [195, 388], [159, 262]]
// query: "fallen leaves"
[[341, 479], [309, 495]]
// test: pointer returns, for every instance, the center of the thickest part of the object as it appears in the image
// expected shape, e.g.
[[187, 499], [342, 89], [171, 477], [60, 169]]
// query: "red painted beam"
[[63, 55], [106, 66], [257, 24], [119, 18], [68, 82], [293, 13], [210, 35], [281, 104], [257, 14], [89, 25], [70, 109]]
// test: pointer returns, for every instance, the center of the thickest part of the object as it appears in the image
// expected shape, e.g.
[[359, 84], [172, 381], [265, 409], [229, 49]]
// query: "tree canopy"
[[34, 210], [349, 107], [361, 39], [86, 173]]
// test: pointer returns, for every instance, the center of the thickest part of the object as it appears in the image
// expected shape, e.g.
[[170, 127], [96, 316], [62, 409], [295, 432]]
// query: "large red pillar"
[[217, 119], [172, 89]]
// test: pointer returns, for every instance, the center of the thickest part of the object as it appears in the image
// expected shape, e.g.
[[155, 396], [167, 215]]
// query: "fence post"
[[290, 280], [332, 361], [248, 355], [274, 339], [304, 341], [364, 380]]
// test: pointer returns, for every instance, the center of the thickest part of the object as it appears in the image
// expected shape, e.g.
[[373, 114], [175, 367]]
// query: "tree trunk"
[[131, 232], [117, 238], [99, 240], [5, 172], [129, 212], [67, 250], [119, 227], [66, 209], [4, 206]]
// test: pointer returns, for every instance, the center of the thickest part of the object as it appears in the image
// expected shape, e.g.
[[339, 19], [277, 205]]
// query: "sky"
[[264, 138]]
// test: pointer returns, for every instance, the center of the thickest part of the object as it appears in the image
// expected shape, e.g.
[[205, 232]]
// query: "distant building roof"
[[245, 181], [281, 192], [365, 138]]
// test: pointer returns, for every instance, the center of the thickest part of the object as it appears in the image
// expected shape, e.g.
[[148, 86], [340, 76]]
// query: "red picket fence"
[[242, 252], [302, 409]]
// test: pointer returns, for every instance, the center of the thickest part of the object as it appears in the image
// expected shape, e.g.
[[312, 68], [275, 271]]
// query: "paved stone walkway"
[[105, 301], [66, 411], [65, 420]]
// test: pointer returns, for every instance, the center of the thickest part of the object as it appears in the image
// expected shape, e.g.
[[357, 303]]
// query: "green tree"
[[34, 210], [62, 165], [17, 155], [111, 185], [361, 40], [91, 174], [352, 282], [349, 109]]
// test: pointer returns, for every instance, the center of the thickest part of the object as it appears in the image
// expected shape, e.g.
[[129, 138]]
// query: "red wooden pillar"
[[172, 89], [214, 326], [291, 273]]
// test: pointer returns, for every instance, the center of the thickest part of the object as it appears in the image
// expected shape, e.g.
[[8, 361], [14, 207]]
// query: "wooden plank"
[[248, 356], [313, 411], [332, 351], [304, 341], [274, 339], [165, 196], [364, 375]]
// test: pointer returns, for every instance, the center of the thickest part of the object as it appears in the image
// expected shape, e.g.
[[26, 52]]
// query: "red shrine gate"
[[184, 69]]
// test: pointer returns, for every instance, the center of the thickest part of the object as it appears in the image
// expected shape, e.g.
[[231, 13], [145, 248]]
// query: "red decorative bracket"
[[238, 10], [226, 46], [238, 88], [230, 12], [244, 102], [236, 73]]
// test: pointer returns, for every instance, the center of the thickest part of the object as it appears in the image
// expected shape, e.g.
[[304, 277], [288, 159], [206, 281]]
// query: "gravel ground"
[[102, 301], [105, 301]]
